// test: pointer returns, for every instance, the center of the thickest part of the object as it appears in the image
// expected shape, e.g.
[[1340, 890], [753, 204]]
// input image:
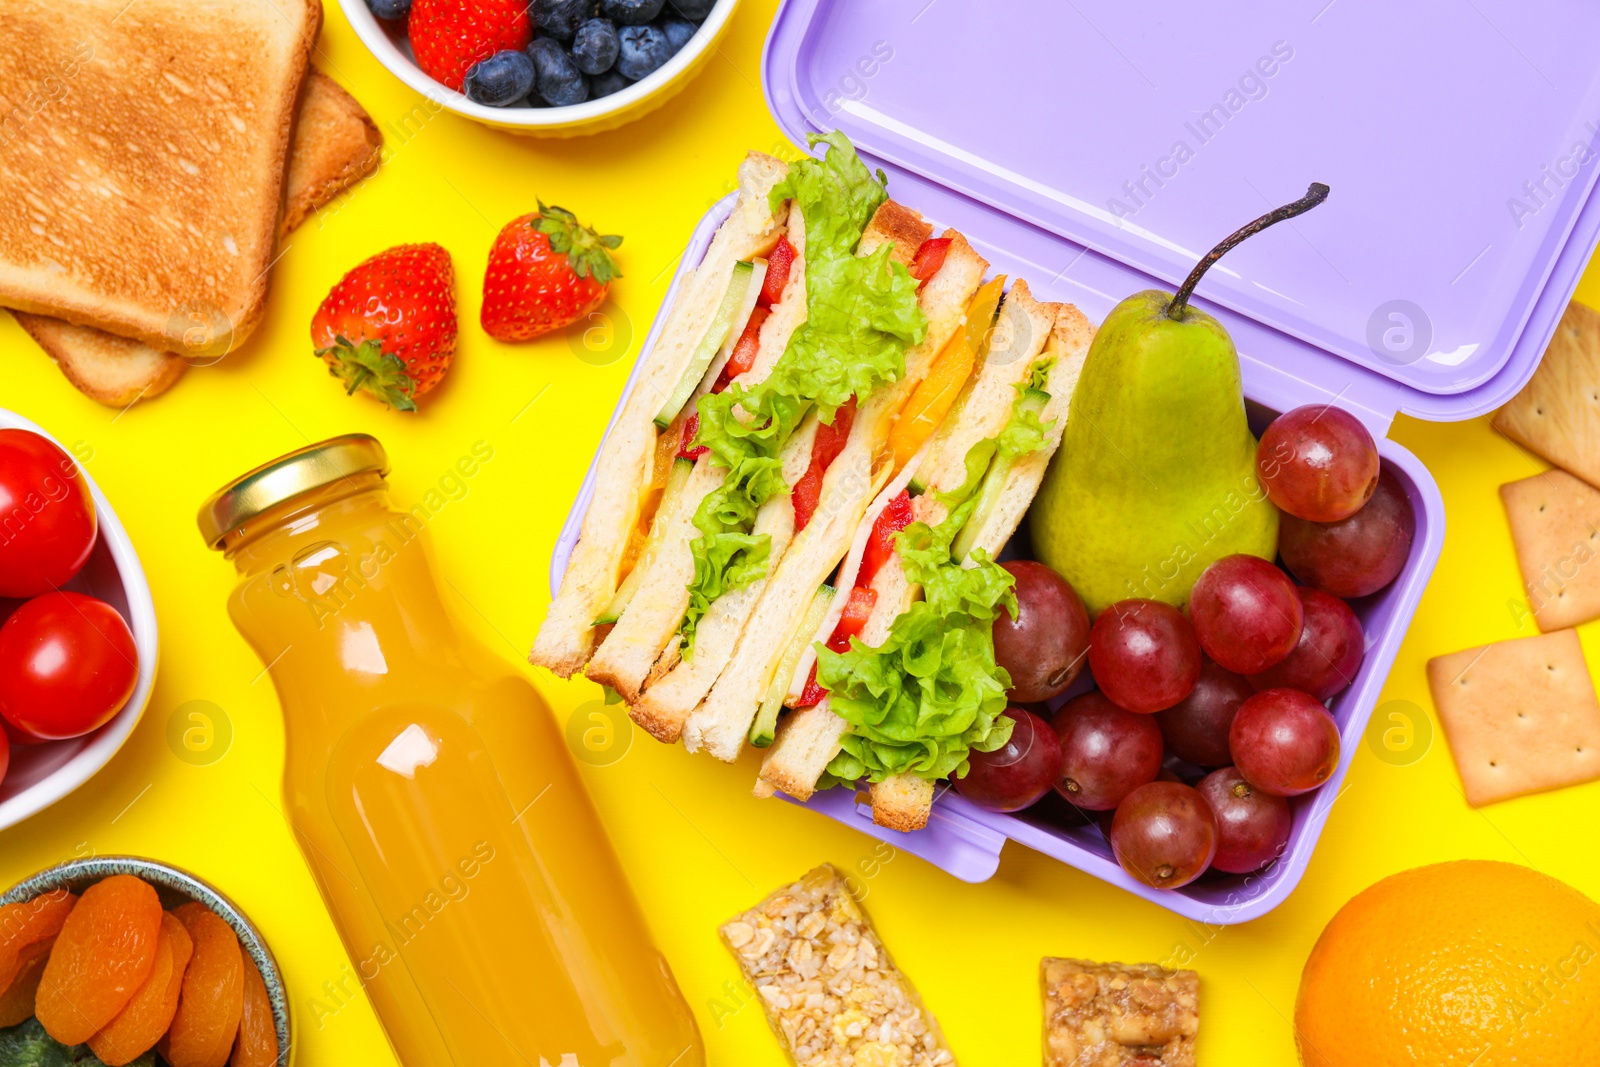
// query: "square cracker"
[[1521, 716], [1557, 414], [1555, 524]]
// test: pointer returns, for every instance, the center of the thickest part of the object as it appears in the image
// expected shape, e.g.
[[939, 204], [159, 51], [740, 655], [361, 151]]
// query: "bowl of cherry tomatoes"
[[77, 624]]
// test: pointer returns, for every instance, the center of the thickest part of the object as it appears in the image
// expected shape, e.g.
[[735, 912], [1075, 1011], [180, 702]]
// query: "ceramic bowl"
[[42, 774], [175, 887], [387, 41]]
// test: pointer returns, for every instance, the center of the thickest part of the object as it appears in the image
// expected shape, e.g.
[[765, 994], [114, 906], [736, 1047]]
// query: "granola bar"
[[831, 993], [1118, 1015]]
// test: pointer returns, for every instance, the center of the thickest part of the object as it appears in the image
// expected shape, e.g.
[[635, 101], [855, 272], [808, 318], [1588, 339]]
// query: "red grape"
[[1359, 555], [1106, 752], [1144, 655], [1252, 826], [1329, 654], [1196, 727], [1318, 462], [1043, 647], [1017, 773], [1284, 742], [1164, 834], [1245, 613]]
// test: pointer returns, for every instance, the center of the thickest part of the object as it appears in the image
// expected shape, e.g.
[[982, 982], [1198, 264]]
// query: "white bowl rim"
[[373, 35], [142, 611]]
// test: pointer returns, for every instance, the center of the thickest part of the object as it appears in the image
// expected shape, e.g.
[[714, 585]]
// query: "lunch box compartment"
[[1431, 339]]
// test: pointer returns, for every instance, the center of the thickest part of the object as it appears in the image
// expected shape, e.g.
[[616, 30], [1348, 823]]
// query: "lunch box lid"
[[1460, 146]]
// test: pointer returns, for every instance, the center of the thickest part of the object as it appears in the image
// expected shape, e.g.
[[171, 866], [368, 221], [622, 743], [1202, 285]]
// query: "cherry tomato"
[[48, 524], [67, 665]]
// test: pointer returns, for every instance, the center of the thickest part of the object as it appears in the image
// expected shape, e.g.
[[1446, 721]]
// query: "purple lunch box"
[[1097, 149]]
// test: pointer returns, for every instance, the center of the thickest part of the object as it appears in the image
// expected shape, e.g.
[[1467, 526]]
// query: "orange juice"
[[432, 794]]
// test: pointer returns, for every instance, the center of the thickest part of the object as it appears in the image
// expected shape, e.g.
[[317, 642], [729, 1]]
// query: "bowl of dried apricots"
[[117, 960]]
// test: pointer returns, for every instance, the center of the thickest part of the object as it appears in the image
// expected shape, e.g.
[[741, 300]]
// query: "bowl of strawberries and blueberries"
[[1205, 721], [387, 328], [550, 53], [68, 660]]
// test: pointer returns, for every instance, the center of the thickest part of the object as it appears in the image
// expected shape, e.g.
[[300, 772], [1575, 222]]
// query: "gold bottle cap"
[[270, 484]]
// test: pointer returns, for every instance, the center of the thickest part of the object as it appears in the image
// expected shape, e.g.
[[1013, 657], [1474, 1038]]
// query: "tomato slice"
[[691, 426], [895, 516], [744, 351], [779, 263], [929, 258], [830, 441], [851, 622]]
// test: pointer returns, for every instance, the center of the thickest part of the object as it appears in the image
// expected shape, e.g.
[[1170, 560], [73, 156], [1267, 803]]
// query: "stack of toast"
[[154, 183], [841, 471]]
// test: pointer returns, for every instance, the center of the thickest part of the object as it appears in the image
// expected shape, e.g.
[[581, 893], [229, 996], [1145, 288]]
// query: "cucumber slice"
[[993, 484], [765, 728], [716, 334], [681, 469]]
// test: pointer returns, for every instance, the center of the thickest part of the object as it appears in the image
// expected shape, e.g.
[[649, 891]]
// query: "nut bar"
[[1118, 1015], [829, 988]]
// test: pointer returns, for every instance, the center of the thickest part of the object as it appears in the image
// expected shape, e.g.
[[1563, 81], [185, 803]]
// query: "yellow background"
[[696, 847]]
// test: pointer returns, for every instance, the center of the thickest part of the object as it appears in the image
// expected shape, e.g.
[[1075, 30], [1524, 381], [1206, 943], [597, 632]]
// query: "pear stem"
[[1314, 196]]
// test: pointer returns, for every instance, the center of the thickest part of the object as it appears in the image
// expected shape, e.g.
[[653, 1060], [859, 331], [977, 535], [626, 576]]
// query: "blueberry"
[[594, 49], [631, 12], [692, 9], [644, 48], [678, 31], [390, 9], [557, 78], [607, 83], [502, 79], [561, 18]]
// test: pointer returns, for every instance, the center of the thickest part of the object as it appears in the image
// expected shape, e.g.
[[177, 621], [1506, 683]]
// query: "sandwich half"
[[638, 479], [899, 683], [846, 477]]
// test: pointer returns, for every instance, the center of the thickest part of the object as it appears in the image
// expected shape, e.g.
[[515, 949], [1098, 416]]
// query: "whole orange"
[[1473, 962]]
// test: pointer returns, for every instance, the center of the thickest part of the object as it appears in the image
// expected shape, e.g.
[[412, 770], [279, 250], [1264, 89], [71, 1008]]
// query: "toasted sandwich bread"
[[567, 636], [335, 145], [142, 152]]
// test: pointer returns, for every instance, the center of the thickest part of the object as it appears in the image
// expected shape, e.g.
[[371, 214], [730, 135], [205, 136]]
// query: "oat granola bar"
[[831, 993], [1118, 1015]]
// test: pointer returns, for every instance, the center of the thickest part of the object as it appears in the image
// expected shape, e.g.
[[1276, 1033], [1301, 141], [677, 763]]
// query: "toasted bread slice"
[[852, 480], [335, 145], [567, 635], [143, 159]]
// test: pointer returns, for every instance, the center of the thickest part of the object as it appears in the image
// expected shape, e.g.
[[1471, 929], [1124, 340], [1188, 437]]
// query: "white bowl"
[[387, 41], [42, 774]]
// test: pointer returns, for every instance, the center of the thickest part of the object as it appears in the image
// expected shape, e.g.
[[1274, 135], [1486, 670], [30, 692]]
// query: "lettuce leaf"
[[932, 692], [861, 316], [1023, 432]]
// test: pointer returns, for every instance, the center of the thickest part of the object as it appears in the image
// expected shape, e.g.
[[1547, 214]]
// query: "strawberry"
[[545, 272], [389, 326], [449, 36]]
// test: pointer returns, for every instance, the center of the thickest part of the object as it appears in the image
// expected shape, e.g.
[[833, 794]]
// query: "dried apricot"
[[16, 1003], [101, 957], [28, 923], [212, 1000], [138, 1027], [258, 1031]]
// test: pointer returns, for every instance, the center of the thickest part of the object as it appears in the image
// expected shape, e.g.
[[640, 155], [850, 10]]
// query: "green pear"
[[1155, 479]]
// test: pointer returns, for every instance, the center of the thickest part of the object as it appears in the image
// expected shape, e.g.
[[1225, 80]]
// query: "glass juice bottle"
[[431, 792]]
